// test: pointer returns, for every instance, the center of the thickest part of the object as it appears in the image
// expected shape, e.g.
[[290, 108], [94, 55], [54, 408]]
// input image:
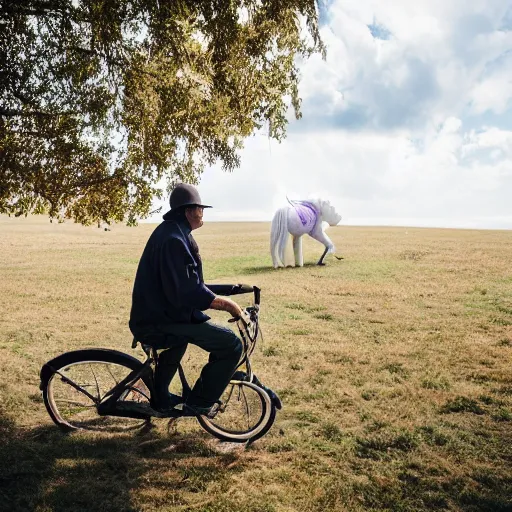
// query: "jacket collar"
[[185, 227], [182, 222]]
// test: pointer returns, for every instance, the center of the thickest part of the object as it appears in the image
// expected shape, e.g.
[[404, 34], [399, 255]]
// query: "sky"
[[407, 122]]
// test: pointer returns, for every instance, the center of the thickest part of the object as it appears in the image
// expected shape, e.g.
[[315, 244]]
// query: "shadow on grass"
[[415, 491], [43, 469], [264, 269], [483, 483]]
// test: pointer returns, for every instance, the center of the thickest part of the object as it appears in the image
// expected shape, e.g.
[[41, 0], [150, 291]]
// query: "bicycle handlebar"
[[236, 289]]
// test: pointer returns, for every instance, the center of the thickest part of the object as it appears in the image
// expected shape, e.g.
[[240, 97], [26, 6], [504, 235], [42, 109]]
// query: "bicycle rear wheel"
[[246, 414], [74, 383]]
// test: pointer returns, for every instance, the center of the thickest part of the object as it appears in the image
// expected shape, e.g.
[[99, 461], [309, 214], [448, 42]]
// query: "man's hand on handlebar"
[[245, 318], [228, 305], [223, 303]]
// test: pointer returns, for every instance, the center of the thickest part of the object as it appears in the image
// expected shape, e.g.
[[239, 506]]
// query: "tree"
[[102, 99]]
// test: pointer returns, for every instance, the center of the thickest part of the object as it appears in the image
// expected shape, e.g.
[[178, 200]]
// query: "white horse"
[[301, 218]]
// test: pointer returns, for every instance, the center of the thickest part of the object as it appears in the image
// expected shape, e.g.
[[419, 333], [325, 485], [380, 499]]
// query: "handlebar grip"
[[257, 295], [244, 288]]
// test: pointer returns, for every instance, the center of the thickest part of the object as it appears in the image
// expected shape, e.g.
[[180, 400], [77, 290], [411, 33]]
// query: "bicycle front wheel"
[[74, 383], [246, 413]]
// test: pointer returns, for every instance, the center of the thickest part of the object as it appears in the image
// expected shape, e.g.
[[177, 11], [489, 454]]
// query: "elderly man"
[[169, 297]]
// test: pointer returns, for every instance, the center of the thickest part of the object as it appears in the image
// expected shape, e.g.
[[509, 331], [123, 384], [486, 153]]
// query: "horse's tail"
[[279, 237]]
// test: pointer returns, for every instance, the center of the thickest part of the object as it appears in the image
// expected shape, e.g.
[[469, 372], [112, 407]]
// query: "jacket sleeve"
[[180, 277]]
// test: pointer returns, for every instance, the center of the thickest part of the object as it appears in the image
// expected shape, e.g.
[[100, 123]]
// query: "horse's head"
[[328, 212]]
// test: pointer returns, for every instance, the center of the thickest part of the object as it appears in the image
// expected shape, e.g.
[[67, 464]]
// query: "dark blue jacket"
[[169, 286]]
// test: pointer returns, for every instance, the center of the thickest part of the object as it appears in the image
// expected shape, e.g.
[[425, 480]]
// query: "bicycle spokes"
[[78, 389], [241, 408]]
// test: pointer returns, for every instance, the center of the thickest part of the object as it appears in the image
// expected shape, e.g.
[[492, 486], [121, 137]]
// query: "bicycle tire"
[[255, 431], [70, 362]]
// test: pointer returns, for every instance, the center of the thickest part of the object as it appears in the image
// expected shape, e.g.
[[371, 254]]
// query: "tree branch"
[[5, 112], [37, 9]]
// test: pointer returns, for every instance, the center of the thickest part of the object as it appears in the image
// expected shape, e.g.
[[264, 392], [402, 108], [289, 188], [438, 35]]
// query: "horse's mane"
[[323, 207], [297, 202]]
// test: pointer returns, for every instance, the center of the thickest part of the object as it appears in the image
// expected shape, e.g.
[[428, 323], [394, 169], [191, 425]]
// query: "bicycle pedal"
[[215, 408], [190, 411], [175, 412]]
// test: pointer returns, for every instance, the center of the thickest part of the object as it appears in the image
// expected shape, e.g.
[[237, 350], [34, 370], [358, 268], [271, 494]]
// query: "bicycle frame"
[[110, 405]]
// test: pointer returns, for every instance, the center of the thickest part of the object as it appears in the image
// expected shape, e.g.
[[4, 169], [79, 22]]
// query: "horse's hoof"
[[338, 257], [321, 264]]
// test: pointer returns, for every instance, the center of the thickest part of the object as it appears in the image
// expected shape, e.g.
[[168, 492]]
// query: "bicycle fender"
[[241, 375], [49, 368]]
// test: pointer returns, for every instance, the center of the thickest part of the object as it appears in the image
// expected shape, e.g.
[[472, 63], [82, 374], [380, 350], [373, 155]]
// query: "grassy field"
[[394, 366]]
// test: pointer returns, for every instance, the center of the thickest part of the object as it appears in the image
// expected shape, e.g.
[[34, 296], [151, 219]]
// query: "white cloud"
[[437, 53], [494, 92], [499, 141], [384, 133], [371, 175]]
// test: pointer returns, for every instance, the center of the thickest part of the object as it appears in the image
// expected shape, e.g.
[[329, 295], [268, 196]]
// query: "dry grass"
[[394, 366]]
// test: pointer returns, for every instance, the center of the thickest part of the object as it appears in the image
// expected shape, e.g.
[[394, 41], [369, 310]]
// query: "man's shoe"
[[166, 403], [209, 412]]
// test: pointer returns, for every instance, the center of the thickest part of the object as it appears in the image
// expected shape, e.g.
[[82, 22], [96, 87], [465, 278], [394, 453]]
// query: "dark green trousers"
[[225, 350]]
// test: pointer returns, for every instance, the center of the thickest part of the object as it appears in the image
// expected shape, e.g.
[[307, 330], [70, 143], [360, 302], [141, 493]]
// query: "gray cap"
[[184, 194]]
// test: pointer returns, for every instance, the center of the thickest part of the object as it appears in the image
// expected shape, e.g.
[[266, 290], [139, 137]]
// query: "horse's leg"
[[296, 229], [297, 251], [319, 234], [321, 260]]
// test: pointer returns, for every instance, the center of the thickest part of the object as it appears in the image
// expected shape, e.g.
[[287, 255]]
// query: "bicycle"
[[104, 389]]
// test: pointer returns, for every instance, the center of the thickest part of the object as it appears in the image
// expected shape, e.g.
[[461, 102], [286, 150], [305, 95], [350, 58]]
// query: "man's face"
[[195, 216]]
